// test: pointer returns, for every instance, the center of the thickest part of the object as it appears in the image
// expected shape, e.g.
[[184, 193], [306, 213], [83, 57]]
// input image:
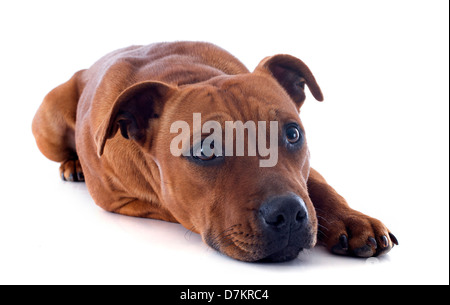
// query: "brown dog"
[[248, 212]]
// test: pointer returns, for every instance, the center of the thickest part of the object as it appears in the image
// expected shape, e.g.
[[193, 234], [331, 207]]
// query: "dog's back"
[[176, 63]]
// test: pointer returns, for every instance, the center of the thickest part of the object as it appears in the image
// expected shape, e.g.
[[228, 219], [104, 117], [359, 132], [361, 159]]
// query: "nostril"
[[277, 222], [301, 215]]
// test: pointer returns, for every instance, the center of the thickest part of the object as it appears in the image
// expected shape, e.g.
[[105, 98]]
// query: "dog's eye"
[[293, 134], [301, 83], [199, 153]]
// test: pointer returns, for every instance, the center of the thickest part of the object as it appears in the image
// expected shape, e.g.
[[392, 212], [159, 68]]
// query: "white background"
[[380, 138]]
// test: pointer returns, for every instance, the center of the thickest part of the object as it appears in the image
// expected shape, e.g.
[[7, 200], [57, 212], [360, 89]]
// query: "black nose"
[[284, 213]]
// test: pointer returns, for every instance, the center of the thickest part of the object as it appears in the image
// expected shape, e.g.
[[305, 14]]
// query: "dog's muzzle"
[[285, 225]]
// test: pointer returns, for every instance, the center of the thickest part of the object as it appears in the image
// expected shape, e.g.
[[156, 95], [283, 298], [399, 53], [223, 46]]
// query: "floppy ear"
[[292, 74], [131, 112]]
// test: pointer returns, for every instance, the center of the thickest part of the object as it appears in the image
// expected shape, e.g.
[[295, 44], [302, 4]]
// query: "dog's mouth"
[[276, 232], [253, 248]]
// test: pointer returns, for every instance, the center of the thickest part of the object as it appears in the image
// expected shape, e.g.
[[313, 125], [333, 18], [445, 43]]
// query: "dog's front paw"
[[356, 234], [71, 170]]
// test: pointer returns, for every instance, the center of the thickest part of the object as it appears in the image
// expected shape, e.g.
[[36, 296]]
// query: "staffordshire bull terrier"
[[144, 128]]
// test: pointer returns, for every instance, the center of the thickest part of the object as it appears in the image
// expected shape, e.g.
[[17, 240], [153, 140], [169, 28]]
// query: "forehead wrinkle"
[[234, 101], [248, 100], [220, 111], [253, 108], [220, 117], [178, 105], [241, 106]]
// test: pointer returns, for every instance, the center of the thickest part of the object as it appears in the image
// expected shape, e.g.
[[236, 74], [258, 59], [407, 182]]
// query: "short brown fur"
[[109, 125]]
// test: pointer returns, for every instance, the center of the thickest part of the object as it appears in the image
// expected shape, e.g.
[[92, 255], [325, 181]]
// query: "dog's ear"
[[132, 111], [292, 74]]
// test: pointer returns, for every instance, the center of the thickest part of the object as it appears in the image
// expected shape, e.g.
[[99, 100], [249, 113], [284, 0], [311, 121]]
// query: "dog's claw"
[[80, 176], [71, 170], [373, 242], [343, 241], [385, 241], [393, 238], [386, 245], [342, 247]]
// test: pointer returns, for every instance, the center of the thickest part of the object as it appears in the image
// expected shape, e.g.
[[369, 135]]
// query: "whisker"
[[323, 218], [318, 209], [223, 235], [321, 232], [322, 226], [225, 231], [190, 231]]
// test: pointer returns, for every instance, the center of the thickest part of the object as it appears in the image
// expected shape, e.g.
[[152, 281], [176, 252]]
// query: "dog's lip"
[[271, 253], [282, 253], [286, 254], [261, 249]]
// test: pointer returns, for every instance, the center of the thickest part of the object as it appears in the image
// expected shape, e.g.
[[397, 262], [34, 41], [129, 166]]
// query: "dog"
[[110, 126]]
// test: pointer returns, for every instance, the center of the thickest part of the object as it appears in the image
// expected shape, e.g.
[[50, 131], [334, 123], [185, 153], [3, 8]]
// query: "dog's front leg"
[[140, 208], [343, 230]]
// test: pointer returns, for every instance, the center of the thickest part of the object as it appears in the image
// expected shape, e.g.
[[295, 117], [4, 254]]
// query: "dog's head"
[[244, 190]]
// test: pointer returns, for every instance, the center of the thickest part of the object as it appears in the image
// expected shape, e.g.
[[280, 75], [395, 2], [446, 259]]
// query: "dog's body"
[[247, 212]]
